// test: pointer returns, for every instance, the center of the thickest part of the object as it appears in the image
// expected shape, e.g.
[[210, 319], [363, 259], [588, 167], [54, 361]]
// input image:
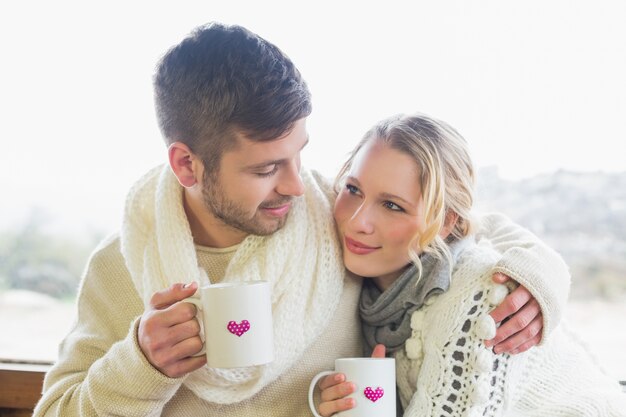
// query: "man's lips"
[[357, 247], [278, 211]]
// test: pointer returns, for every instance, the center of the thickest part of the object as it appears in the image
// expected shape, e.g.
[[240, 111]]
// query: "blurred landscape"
[[581, 215]]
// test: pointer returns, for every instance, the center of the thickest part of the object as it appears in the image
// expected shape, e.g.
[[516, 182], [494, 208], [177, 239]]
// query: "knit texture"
[[548, 279], [445, 369], [301, 261]]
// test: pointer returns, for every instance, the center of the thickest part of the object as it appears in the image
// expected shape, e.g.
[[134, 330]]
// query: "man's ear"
[[185, 164]]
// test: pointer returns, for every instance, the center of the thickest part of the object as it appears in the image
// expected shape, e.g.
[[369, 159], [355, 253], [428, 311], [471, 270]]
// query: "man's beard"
[[236, 216]]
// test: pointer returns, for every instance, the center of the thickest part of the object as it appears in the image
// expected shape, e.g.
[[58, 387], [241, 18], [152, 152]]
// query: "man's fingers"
[[184, 330], [327, 409], [177, 292], [179, 312], [525, 346], [516, 339], [183, 367], [500, 278], [511, 304], [165, 359]]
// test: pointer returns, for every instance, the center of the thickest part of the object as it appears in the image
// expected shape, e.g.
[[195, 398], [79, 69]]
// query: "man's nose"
[[290, 182]]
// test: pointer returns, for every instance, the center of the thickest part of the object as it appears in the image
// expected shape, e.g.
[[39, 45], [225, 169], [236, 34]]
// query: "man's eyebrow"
[[274, 161]]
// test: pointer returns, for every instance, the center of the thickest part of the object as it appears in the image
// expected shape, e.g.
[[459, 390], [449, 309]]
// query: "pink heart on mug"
[[238, 328], [374, 395]]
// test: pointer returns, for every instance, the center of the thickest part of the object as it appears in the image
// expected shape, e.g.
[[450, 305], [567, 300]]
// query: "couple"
[[234, 200]]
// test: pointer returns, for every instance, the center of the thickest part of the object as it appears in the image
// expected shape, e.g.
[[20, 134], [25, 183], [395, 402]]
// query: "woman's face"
[[379, 212]]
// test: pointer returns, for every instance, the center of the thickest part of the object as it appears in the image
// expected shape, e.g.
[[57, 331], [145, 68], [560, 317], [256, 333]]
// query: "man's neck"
[[208, 230]]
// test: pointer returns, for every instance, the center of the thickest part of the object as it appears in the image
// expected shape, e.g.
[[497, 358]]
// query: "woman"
[[403, 215]]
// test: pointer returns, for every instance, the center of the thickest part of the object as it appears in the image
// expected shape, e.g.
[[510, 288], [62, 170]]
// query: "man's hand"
[[169, 332], [520, 318]]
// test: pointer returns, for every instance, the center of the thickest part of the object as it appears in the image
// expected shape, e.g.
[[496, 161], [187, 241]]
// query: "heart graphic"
[[238, 328], [374, 395]]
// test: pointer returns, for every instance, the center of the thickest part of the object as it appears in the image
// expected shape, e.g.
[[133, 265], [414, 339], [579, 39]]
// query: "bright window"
[[534, 88]]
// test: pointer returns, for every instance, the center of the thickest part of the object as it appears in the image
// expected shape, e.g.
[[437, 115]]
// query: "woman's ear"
[[184, 163], [449, 223]]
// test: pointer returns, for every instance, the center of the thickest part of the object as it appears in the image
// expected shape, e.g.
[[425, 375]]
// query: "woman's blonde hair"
[[446, 176]]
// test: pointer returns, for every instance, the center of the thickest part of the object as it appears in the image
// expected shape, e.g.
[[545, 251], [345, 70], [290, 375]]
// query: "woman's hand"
[[334, 388]]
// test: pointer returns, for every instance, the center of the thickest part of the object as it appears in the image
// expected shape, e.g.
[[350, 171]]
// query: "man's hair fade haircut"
[[221, 80]]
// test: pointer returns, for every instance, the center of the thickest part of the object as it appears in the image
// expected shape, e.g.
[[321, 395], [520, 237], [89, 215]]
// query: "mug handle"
[[198, 304], [314, 381]]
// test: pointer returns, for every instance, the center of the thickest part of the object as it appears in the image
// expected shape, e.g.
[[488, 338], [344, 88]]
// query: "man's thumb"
[[175, 293]]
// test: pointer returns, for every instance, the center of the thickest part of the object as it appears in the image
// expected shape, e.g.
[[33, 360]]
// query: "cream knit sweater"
[[102, 371], [445, 369]]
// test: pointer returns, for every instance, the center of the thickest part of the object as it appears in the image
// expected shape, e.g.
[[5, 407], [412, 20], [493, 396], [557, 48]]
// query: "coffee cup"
[[375, 381], [236, 323]]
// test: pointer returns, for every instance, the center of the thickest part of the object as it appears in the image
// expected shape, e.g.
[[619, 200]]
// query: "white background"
[[535, 86]]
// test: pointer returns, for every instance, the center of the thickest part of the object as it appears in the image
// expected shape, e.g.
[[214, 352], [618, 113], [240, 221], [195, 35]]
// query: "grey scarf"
[[386, 316]]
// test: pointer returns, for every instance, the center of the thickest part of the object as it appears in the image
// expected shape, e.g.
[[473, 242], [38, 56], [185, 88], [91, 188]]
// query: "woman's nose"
[[362, 221]]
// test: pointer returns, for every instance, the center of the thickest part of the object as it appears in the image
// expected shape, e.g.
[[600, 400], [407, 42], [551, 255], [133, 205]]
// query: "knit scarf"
[[386, 316], [301, 261]]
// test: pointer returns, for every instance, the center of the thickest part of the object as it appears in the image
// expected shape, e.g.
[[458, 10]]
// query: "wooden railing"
[[20, 388]]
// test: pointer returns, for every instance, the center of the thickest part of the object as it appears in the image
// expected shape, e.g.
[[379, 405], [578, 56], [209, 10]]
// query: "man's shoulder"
[[108, 252], [325, 184], [106, 269]]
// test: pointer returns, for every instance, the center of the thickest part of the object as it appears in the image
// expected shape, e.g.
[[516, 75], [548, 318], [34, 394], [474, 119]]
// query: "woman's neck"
[[385, 281]]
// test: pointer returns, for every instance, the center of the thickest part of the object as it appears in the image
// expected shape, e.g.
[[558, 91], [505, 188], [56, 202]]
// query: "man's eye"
[[269, 172]]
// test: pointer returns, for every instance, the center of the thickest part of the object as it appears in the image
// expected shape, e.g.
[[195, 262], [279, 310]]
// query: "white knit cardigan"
[[445, 369], [302, 263]]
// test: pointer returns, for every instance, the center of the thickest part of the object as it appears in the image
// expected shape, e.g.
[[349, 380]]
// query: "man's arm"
[[531, 311], [101, 369]]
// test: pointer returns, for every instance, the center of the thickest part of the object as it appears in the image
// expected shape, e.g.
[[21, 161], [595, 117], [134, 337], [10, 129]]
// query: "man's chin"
[[271, 225]]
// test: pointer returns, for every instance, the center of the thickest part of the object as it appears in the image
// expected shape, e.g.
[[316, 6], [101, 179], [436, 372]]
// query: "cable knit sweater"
[[445, 369], [102, 371]]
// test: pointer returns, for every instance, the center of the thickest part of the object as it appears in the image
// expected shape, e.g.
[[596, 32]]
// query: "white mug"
[[236, 323], [375, 381]]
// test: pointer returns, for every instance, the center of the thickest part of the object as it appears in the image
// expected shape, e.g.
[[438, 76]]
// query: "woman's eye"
[[392, 206], [352, 189]]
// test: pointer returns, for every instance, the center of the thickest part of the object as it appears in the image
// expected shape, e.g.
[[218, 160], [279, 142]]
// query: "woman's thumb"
[[379, 351]]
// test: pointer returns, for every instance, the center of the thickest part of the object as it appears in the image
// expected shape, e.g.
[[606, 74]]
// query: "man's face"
[[256, 183]]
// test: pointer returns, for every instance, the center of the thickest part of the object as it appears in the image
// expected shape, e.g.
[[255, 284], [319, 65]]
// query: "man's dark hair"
[[225, 79]]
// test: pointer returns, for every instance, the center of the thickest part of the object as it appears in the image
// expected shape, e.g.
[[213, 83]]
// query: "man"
[[234, 201]]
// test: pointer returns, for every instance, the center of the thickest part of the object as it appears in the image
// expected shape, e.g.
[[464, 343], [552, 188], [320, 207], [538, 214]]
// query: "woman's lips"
[[357, 247]]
